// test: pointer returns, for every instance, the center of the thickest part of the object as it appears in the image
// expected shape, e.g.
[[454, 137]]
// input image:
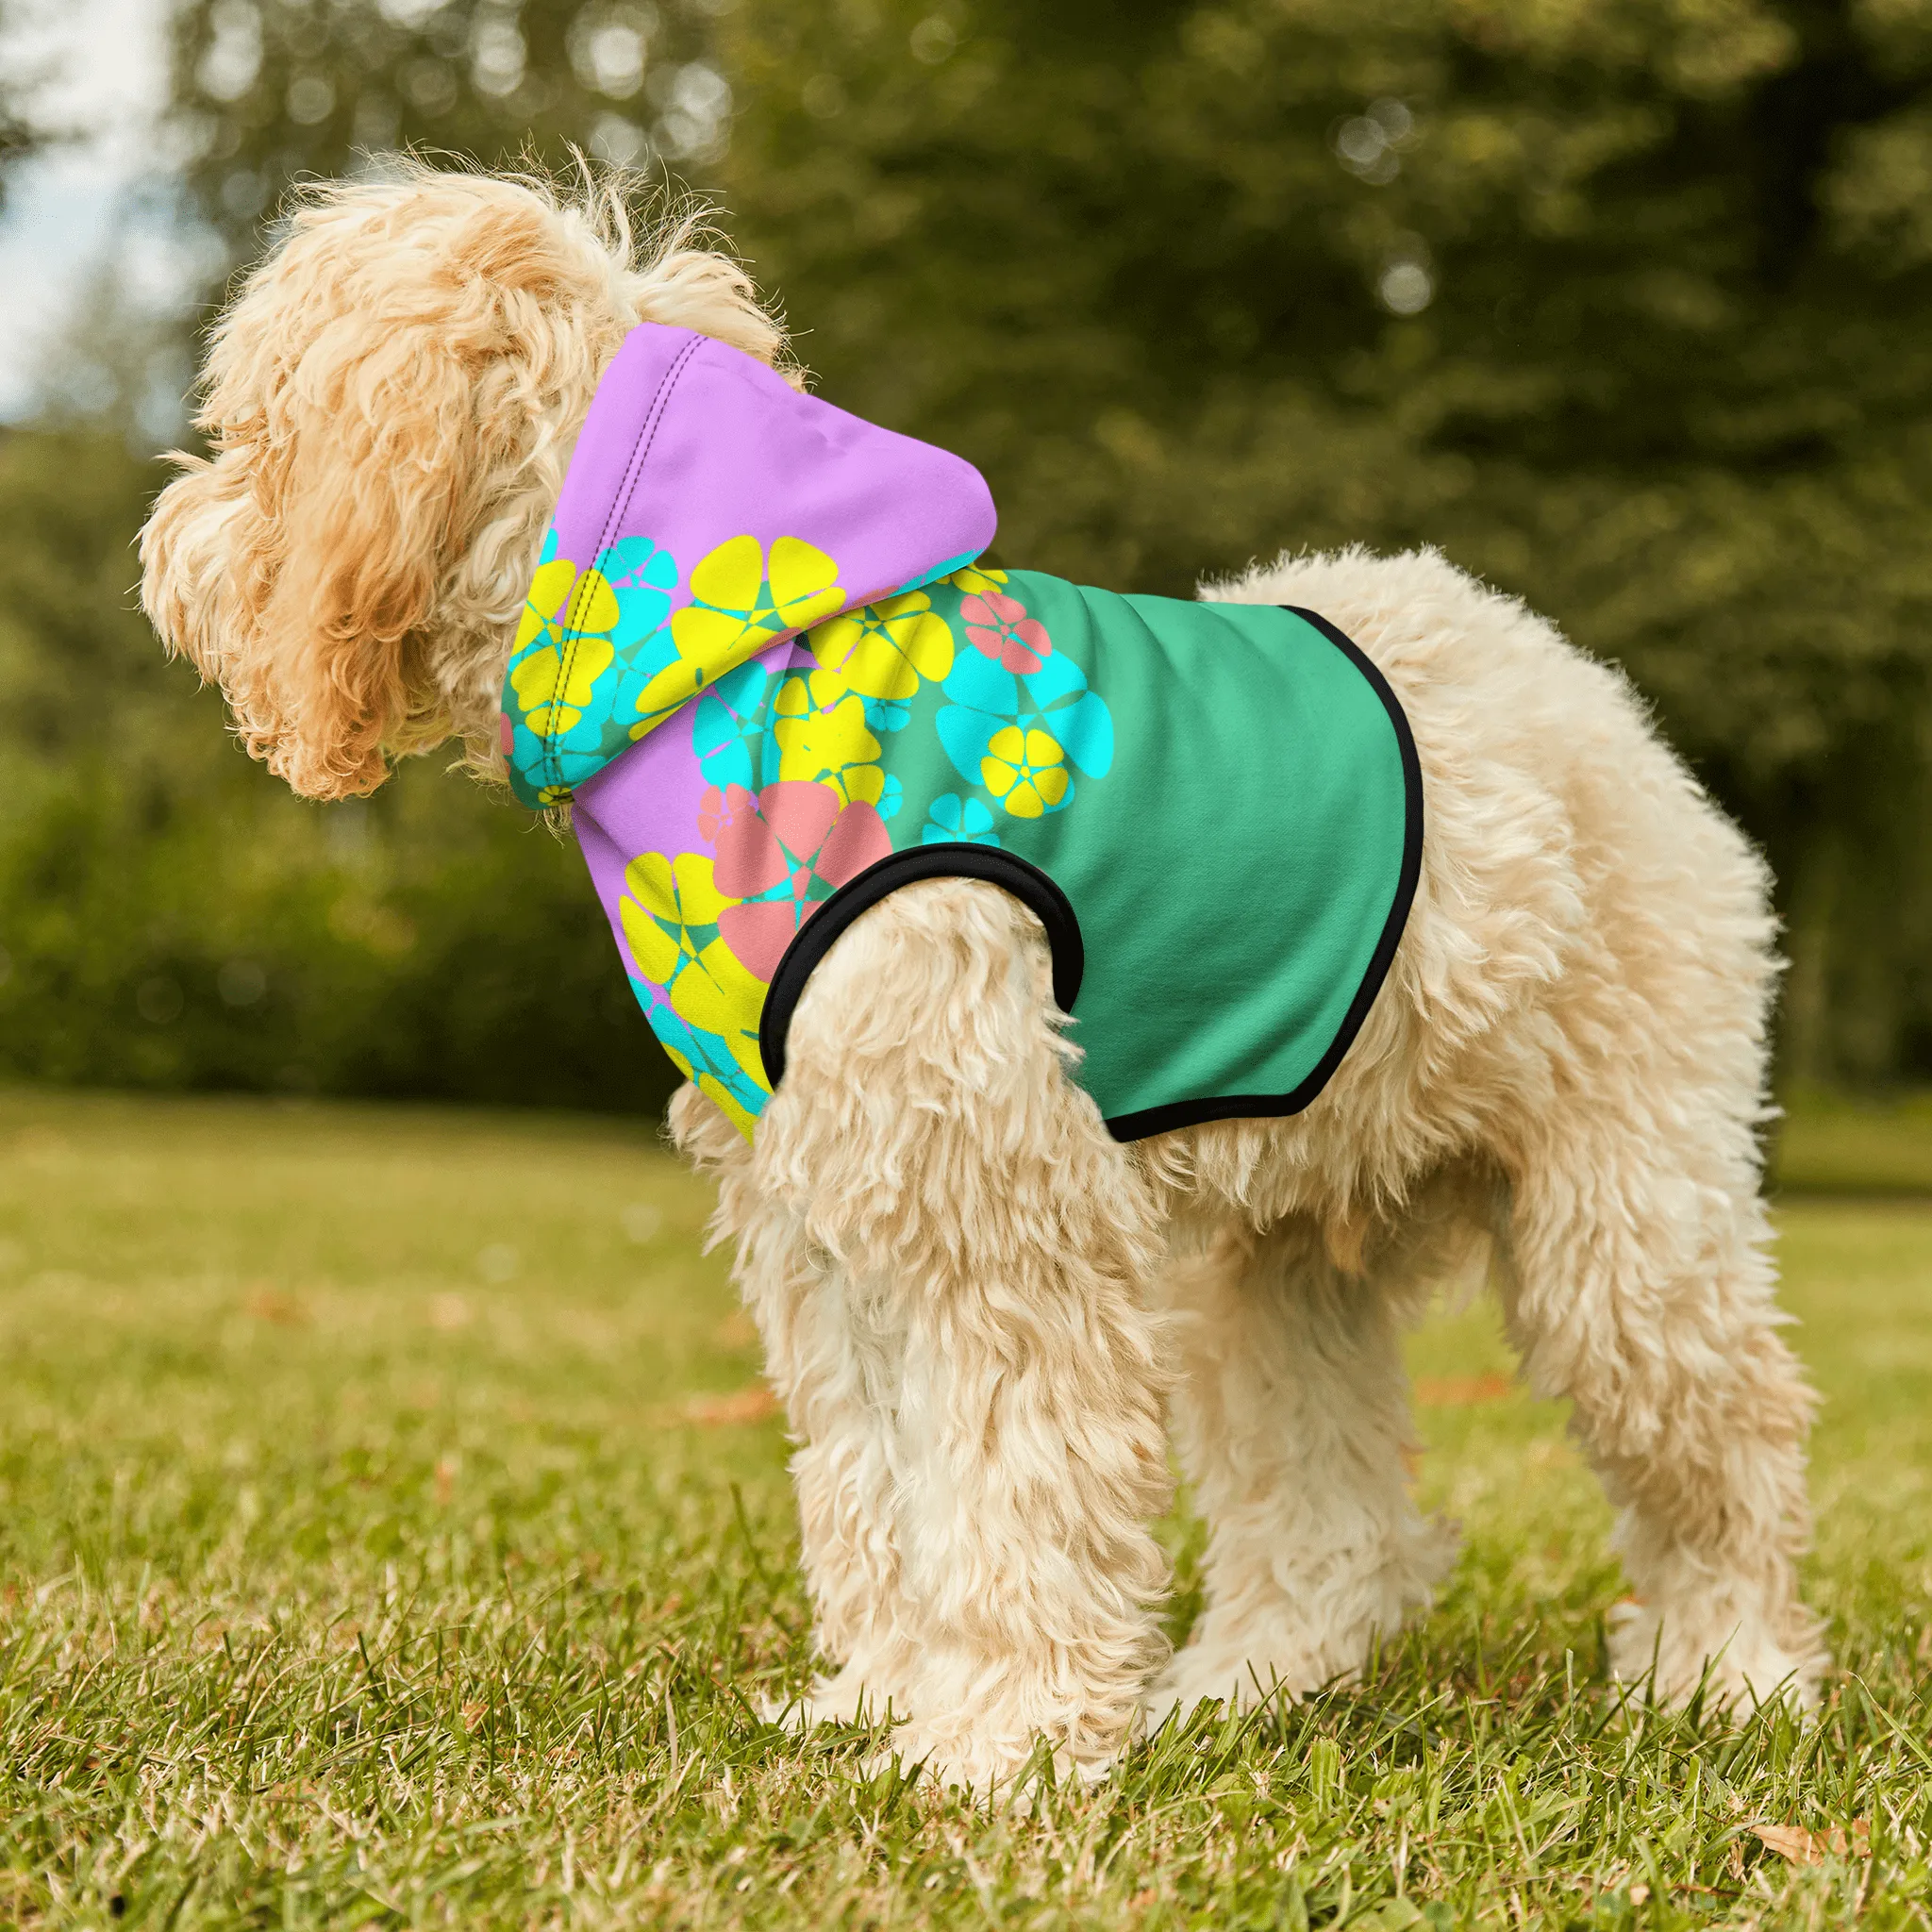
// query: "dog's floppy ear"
[[376, 382], [360, 469], [297, 565], [390, 401]]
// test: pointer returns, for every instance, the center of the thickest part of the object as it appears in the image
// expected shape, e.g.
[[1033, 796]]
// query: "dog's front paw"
[[1217, 1673], [995, 1769], [1740, 1662], [847, 1698]]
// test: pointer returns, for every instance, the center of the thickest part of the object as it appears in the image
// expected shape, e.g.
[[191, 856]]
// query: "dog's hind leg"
[[1291, 1418], [1637, 1283], [993, 1243]]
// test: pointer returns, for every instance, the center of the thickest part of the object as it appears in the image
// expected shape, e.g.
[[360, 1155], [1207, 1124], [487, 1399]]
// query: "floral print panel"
[[956, 693]]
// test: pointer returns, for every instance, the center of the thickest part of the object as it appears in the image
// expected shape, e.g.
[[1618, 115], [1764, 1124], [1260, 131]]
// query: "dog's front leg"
[[835, 1372], [990, 1242]]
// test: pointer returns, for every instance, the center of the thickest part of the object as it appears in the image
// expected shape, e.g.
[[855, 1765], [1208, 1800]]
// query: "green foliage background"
[[1619, 301]]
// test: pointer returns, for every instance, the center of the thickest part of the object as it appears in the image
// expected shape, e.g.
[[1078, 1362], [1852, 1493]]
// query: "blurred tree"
[[170, 916], [268, 90], [17, 135], [1620, 302], [1617, 301]]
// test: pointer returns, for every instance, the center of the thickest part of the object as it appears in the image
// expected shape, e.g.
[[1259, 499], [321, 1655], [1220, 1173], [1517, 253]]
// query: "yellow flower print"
[[740, 603], [550, 611], [675, 684], [670, 913], [819, 726], [572, 617], [739, 598], [976, 580], [554, 684], [883, 650], [682, 893], [710, 1079], [1025, 771], [720, 1098]]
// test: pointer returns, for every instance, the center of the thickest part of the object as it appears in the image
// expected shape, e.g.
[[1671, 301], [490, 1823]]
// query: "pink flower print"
[[997, 625], [719, 808], [761, 840], [786, 852]]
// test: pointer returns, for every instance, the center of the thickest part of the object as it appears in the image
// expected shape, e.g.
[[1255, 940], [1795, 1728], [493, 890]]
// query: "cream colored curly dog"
[[982, 1311]]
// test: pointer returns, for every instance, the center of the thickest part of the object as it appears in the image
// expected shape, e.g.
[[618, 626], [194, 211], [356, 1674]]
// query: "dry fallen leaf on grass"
[[1457, 1391], [1803, 1847], [753, 1405], [737, 1330], [272, 1304]]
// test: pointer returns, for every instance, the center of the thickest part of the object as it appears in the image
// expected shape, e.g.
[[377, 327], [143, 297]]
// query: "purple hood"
[[709, 512]]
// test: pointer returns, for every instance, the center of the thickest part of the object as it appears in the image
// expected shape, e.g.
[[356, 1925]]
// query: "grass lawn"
[[391, 1532]]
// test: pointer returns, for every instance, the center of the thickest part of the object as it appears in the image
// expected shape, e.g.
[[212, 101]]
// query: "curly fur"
[[979, 1310], [392, 401]]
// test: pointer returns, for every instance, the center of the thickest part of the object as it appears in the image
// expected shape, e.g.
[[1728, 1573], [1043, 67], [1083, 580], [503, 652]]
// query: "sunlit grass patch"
[[391, 1531]]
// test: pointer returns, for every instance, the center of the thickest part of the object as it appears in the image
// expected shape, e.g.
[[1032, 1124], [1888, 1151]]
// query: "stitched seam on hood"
[[634, 470]]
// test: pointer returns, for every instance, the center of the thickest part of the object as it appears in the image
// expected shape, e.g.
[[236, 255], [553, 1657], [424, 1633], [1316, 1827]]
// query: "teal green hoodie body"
[[758, 661]]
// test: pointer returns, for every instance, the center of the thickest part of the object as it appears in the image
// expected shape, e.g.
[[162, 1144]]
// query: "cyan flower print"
[[955, 821], [780, 855], [711, 1061], [585, 639], [641, 576], [728, 724], [576, 627], [1053, 702]]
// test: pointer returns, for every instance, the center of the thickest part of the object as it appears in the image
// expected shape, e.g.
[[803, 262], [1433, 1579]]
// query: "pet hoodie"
[[760, 662]]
